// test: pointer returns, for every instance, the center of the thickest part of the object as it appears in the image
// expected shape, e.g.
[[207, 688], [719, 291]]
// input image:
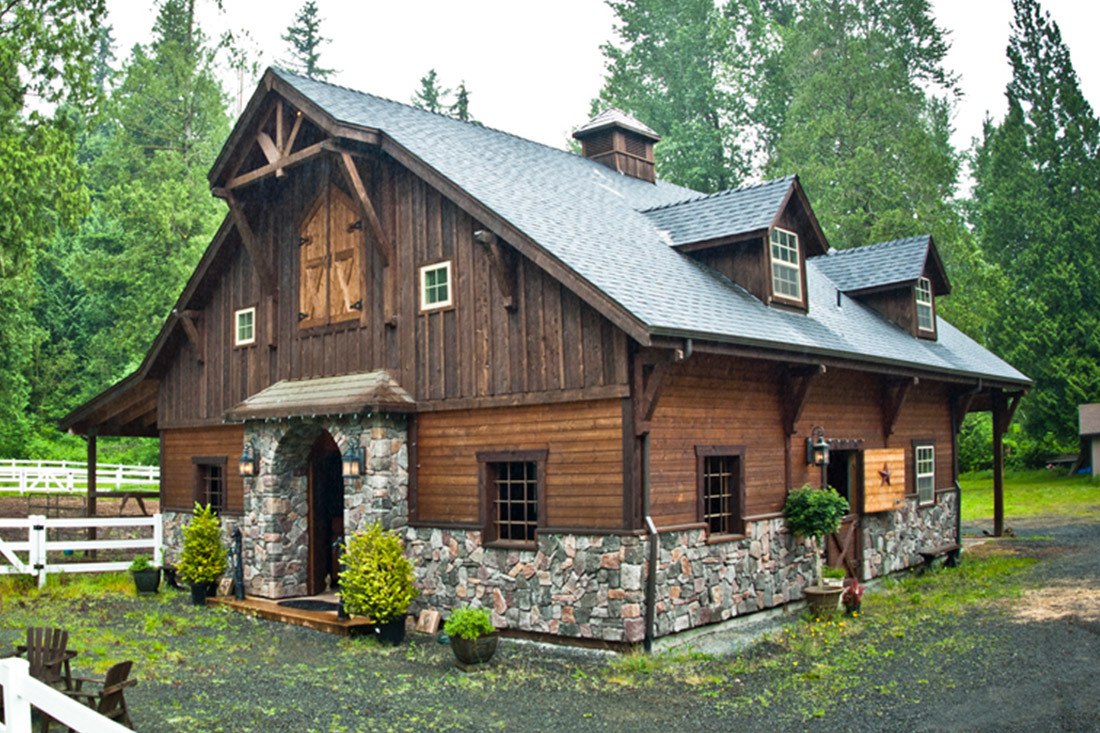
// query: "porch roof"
[[348, 394]]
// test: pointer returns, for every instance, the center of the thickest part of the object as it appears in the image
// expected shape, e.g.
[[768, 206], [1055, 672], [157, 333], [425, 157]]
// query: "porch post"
[[999, 428], [90, 502]]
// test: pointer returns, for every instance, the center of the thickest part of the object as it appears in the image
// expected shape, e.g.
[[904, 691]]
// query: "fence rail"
[[71, 477], [21, 692], [39, 545]]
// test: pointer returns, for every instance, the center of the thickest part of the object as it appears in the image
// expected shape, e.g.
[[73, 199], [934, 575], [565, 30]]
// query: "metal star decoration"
[[885, 474]]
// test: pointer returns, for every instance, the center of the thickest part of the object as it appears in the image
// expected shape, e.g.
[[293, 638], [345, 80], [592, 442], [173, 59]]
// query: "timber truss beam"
[[187, 319], [894, 392], [504, 264], [795, 384], [260, 263]]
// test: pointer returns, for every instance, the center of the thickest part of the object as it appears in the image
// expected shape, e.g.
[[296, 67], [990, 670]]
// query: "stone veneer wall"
[[892, 541]]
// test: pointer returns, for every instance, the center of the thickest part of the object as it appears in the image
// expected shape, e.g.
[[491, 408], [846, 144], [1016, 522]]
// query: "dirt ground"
[[71, 506]]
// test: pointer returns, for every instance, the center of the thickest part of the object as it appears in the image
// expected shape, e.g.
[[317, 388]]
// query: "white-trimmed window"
[[244, 332], [925, 320], [926, 473], [435, 286], [786, 269]]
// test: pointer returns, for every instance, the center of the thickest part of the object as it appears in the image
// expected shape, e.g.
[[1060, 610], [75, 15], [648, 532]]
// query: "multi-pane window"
[[786, 268], [925, 320], [721, 489], [435, 286], [926, 473], [245, 332], [210, 486], [513, 488]]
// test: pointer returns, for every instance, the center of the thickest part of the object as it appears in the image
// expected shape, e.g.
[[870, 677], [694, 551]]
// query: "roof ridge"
[[718, 194], [834, 252]]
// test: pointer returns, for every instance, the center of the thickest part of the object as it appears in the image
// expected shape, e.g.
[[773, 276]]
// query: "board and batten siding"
[[178, 448], [584, 463], [474, 350]]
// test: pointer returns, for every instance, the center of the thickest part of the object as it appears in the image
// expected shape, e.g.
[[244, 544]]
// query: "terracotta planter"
[[823, 601], [146, 581], [474, 651]]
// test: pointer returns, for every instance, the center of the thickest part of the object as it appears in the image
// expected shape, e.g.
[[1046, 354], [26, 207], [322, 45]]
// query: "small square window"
[[210, 482], [435, 286], [925, 316], [926, 474], [245, 332], [513, 486], [786, 265], [721, 488]]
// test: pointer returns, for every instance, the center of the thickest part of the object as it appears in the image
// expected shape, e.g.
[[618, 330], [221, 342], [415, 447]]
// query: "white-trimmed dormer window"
[[244, 332], [786, 266], [435, 286], [925, 318]]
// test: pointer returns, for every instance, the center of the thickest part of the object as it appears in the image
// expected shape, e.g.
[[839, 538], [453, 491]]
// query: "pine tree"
[[305, 41], [460, 110], [431, 96]]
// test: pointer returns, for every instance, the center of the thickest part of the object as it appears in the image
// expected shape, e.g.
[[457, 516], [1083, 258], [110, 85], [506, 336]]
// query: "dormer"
[[620, 142], [758, 236], [899, 279]]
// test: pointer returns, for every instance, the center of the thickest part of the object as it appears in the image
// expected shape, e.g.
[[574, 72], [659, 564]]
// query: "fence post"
[[17, 708], [158, 540], [36, 538]]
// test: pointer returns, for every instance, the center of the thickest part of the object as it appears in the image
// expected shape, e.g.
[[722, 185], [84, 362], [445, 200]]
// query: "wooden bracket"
[[259, 262], [382, 243], [503, 262], [963, 401], [650, 370], [187, 319], [894, 394], [795, 385]]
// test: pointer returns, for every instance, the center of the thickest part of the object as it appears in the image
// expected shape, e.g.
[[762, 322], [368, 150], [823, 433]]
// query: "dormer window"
[[786, 265], [925, 316]]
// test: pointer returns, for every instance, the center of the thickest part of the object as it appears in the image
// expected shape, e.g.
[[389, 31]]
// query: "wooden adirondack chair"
[[48, 656], [109, 700]]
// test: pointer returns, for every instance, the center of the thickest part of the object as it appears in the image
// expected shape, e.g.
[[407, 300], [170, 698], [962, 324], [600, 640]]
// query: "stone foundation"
[[892, 541], [173, 534]]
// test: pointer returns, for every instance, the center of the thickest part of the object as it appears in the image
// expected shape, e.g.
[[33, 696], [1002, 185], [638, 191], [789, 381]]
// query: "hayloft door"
[[844, 474], [326, 513]]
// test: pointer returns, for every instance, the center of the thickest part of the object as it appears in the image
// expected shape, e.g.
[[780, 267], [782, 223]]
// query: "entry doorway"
[[845, 474], [326, 514]]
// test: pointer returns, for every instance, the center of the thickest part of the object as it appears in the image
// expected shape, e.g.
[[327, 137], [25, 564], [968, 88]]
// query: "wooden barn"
[[542, 367]]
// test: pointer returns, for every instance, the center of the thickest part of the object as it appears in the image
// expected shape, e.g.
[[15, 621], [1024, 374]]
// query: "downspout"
[[654, 539]]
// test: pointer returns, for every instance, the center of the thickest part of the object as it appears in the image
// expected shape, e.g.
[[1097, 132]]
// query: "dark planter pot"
[[199, 591], [823, 601], [391, 633], [146, 581], [852, 608], [474, 651]]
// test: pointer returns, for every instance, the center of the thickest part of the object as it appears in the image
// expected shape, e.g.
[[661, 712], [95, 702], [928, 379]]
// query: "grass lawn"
[[1031, 494]]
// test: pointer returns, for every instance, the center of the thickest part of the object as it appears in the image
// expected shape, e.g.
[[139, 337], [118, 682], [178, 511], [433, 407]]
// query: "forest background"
[[105, 208]]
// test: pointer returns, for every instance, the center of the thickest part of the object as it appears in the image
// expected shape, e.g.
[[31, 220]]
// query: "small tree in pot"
[[377, 581], [473, 636], [814, 513], [203, 559]]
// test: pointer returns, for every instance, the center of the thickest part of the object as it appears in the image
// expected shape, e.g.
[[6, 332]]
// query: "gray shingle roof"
[[875, 265], [1089, 420], [615, 117], [599, 224], [722, 214]]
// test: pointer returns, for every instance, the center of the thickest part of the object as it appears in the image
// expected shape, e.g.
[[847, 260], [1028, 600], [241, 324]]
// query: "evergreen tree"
[[1037, 191], [460, 110], [305, 41], [431, 96]]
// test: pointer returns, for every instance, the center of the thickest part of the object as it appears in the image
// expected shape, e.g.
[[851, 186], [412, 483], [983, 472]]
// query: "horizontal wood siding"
[[584, 464], [550, 342], [709, 401], [179, 447]]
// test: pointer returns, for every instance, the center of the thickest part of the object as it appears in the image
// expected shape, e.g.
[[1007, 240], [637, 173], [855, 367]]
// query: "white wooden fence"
[[39, 544], [22, 692], [71, 477]]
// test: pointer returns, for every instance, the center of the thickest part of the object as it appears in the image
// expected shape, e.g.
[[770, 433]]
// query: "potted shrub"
[[831, 576], [203, 558], [146, 575], [814, 513], [472, 634], [377, 581]]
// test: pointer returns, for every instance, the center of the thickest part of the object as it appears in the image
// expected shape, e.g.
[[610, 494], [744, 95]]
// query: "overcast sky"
[[533, 66]]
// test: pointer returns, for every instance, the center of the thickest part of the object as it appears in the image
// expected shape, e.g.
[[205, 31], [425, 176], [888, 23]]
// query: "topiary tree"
[[203, 559], [814, 513], [377, 580]]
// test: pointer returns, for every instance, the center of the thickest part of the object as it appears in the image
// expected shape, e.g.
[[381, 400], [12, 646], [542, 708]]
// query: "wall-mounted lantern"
[[249, 464], [354, 461], [817, 448]]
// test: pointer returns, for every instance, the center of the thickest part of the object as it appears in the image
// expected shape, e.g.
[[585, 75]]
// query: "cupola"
[[620, 142]]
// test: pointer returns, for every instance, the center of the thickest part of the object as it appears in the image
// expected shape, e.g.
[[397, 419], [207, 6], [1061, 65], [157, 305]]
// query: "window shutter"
[[345, 299], [883, 479], [313, 270]]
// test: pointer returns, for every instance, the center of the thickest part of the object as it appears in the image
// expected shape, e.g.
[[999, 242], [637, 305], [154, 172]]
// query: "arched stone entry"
[[286, 553]]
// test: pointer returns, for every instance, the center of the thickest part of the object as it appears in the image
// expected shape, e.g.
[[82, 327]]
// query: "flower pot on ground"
[[146, 575], [377, 581], [472, 634], [813, 513], [203, 558], [833, 577]]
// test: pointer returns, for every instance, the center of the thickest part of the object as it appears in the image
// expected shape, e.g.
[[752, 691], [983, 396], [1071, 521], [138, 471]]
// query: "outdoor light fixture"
[[354, 461], [817, 448], [249, 465]]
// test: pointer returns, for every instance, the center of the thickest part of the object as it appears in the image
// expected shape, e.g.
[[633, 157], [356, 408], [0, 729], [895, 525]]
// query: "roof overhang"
[[349, 394], [128, 408]]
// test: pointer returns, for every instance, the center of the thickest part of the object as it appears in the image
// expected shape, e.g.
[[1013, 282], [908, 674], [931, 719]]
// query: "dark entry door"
[[843, 546], [326, 512]]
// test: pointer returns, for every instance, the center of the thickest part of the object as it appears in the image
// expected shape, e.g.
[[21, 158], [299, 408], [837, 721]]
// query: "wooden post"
[[90, 502], [999, 428]]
